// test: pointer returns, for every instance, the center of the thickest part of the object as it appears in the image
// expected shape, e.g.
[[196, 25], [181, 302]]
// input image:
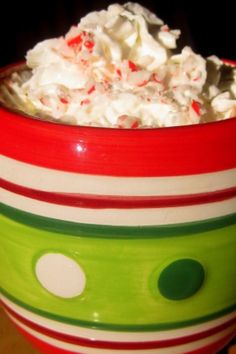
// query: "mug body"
[[118, 241]]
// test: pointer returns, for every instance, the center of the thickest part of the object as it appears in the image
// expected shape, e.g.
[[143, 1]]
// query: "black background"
[[209, 26]]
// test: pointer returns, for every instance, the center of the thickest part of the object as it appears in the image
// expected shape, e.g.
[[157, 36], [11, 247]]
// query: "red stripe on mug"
[[116, 345], [51, 349], [118, 202]]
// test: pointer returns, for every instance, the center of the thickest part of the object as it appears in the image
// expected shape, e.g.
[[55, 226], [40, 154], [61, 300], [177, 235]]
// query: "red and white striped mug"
[[118, 241]]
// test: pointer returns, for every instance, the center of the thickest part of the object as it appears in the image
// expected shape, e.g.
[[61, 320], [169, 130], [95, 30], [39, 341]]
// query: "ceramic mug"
[[118, 241]]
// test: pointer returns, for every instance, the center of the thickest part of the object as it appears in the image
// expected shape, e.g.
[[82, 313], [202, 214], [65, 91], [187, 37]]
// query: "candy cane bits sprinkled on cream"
[[116, 69]]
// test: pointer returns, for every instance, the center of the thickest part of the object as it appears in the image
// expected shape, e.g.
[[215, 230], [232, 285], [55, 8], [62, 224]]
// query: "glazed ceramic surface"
[[118, 241]]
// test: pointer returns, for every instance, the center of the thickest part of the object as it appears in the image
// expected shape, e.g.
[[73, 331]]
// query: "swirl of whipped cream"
[[116, 69]]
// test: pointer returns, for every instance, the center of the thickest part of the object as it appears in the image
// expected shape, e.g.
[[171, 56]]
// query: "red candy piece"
[[143, 83], [118, 71], [91, 90], [64, 100], [155, 78], [196, 107], [132, 66], [89, 44], [125, 121], [75, 41]]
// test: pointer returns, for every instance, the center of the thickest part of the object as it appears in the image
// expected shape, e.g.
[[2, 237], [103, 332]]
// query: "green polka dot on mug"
[[181, 279]]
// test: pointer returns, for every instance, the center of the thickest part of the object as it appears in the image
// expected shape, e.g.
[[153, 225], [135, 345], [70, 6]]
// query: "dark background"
[[209, 26]]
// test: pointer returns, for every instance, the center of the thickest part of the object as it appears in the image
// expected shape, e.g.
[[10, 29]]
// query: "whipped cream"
[[117, 68]]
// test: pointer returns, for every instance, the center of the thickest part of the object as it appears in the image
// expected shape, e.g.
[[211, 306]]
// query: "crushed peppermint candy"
[[110, 71]]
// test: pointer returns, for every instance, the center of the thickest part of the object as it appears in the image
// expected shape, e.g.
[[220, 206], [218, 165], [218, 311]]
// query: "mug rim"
[[158, 152]]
